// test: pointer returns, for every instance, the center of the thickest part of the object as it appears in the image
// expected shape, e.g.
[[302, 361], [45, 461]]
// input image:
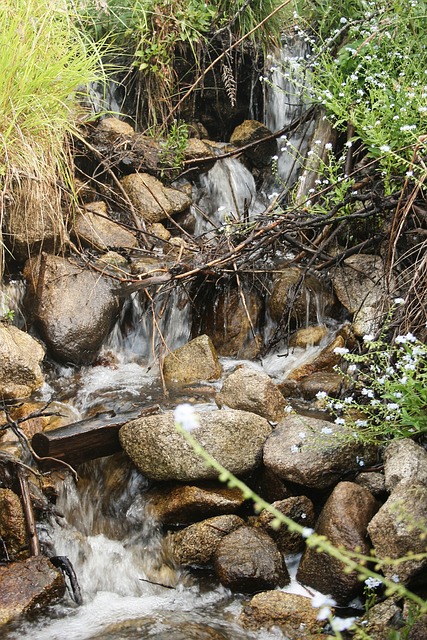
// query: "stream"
[[130, 587]]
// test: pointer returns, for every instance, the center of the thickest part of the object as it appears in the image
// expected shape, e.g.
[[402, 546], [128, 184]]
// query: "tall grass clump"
[[45, 66]]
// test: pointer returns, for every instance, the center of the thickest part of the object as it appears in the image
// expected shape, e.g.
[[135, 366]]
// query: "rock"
[[171, 628], [30, 426], [251, 131], [373, 482], [20, 360], [404, 461], [327, 359], [293, 614], [397, 530], [359, 285], [269, 486], [223, 318], [383, 617], [197, 149], [419, 629], [153, 201], [343, 521], [252, 390], [33, 220], [94, 229], [298, 508], [312, 452], [27, 585], [248, 560], [193, 362], [113, 128], [182, 504], [312, 298], [233, 438], [74, 308], [330, 383], [12, 526], [197, 543], [309, 336]]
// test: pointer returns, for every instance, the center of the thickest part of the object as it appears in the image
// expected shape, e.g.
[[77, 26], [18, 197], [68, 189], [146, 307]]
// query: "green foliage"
[[389, 389], [174, 146], [368, 69]]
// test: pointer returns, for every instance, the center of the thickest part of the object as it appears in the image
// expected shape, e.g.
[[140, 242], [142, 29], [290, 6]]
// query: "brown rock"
[[182, 504], [194, 362], [251, 131], [383, 617], [298, 508], [113, 127], [309, 336], [12, 524], [248, 560], [252, 390], [397, 530], [343, 520], [20, 360], [293, 614], [404, 461], [326, 359], [197, 543], [372, 481], [330, 383], [94, 229], [27, 585], [152, 200]]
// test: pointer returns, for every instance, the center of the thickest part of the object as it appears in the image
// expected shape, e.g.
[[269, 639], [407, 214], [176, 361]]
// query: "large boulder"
[[252, 390], [293, 614], [193, 362], [182, 504], [28, 585], [343, 520], [20, 360], [234, 438], [73, 307], [398, 530], [248, 560], [313, 452], [404, 461], [153, 201], [197, 543], [359, 284]]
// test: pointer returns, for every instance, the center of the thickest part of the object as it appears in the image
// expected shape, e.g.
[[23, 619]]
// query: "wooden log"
[[85, 440]]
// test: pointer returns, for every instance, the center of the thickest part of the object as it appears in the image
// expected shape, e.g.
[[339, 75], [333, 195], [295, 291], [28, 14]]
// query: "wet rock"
[[31, 426], [326, 359], [383, 617], [248, 560], [250, 131], [419, 629], [73, 307], [12, 525], [293, 614], [252, 390], [171, 629], [27, 585], [343, 520], [270, 487], [397, 530], [312, 452], [311, 299], [153, 201], [183, 504], [330, 383], [404, 461], [309, 336], [298, 508], [94, 229], [197, 149], [224, 319], [193, 362], [373, 482], [359, 286], [20, 360], [234, 438], [197, 543]]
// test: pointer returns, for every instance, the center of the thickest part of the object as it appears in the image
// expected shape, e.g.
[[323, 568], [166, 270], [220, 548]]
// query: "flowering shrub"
[[389, 389]]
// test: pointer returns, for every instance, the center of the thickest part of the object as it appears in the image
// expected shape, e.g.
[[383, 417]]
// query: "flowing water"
[[130, 587]]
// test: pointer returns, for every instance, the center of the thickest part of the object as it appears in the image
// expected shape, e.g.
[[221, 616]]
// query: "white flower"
[[328, 146], [395, 578], [369, 337], [340, 350], [294, 448], [303, 516], [371, 583], [342, 624], [302, 435], [288, 409], [186, 417], [361, 423], [307, 532], [326, 430], [385, 148], [401, 300], [274, 157], [339, 421], [321, 395]]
